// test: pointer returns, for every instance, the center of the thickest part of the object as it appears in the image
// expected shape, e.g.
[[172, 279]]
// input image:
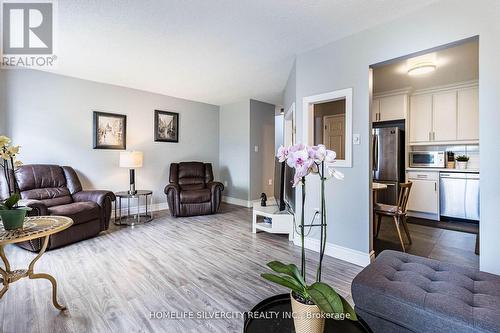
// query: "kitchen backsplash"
[[470, 150]]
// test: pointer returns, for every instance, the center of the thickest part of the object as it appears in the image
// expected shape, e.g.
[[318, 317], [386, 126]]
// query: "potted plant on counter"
[[462, 161], [311, 303], [11, 214]]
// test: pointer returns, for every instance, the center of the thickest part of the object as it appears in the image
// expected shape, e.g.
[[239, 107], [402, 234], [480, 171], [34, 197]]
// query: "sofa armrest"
[[215, 186], [103, 198], [173, 192], [97, 196], [216, 189], [38, 207]]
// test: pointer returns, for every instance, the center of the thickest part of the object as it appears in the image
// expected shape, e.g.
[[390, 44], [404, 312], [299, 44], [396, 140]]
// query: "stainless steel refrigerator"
[[388, 162]]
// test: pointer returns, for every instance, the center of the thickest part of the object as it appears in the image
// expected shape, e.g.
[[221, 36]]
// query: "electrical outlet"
[[225, 183], [270, 182], [256, 148], [316, 210]]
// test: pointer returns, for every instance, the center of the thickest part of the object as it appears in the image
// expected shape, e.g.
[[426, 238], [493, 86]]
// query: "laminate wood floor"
[[114, 282]]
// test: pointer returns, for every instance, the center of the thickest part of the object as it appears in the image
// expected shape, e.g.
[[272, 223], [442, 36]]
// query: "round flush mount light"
[[421, 68]]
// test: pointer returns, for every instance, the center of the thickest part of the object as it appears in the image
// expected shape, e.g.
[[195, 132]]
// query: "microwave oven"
[[427, 159]]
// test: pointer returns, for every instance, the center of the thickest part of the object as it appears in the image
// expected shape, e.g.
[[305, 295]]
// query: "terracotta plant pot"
[[13, 219], [307, 318]]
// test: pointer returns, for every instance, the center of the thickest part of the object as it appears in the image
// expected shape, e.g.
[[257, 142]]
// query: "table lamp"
[[131, 160]]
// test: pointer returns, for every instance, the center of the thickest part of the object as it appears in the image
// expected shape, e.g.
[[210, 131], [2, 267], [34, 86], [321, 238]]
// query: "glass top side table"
[[133, 218]]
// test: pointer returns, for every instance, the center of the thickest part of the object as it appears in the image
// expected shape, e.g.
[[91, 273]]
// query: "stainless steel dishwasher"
[[459, 195]]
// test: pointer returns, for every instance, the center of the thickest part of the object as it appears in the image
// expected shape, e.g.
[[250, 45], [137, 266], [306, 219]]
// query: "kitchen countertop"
[[443, 170]]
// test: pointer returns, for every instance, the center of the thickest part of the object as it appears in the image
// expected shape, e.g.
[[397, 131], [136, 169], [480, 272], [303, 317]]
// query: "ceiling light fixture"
[[421, 68]]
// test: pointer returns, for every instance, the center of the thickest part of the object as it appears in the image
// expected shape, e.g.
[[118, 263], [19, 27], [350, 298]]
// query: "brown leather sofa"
[[56, 190], [192, 190]]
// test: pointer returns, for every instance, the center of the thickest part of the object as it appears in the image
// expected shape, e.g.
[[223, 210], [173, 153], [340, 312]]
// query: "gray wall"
[[50, 116], [3, 117], [345, 64], [262, 161], [234, 120]]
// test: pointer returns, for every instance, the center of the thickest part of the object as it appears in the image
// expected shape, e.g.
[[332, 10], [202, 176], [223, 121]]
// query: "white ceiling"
[[455, 64], [214, 51]]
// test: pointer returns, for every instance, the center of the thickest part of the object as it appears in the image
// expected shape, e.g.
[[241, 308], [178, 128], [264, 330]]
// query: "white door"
[[393, 107], [334, 134], [375, 109], [444, 116], [424, 196], [468, 114], [420, 118]]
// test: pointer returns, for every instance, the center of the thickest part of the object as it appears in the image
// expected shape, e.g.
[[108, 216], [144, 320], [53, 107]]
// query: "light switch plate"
[[256, 148], [356, 139]]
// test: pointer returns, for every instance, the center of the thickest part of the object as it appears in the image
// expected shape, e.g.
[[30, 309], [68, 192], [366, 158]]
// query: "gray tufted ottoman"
[[399, 292]]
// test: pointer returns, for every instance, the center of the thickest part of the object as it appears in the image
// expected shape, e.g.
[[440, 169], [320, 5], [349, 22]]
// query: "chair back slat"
[[404, 194]]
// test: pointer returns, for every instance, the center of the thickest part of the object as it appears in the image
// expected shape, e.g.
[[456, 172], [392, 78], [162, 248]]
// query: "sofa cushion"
[[195, 196], [31, 177], [80, 212], [53, 196], [425, 295]]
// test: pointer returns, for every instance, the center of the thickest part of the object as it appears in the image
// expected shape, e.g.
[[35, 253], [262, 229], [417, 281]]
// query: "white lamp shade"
[[131, 159]]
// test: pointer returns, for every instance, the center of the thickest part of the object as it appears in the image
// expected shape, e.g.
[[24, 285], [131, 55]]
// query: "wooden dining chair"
[[398, 213]]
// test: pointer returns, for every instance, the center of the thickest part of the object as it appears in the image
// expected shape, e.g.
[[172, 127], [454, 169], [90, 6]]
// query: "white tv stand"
[[282, 222]]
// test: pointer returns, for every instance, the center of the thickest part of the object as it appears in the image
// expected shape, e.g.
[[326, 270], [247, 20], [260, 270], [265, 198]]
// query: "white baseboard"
[[340, 252], [236, 201], [142, 209]]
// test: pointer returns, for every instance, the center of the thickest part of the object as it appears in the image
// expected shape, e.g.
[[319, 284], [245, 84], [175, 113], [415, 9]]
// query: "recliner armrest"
[[173, 187], [214, 186], [38, 207], [97, 196]]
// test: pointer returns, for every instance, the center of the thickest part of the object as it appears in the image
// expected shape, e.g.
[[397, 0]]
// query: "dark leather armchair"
[[55, 190], [192, 190]]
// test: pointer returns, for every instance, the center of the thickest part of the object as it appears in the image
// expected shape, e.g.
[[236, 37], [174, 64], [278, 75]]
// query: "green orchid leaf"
[[284, 281], [290, 270], [2, 207], [12, 201], [348, 309], [325, 298]]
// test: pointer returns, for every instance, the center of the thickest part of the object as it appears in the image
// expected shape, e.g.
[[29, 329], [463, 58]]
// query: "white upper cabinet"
[[468, 114], [444, 116], [420, 118], [393, 107], [375, 109]]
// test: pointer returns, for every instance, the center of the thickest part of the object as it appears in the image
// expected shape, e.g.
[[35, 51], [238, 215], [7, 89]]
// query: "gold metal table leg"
[[4, 272], [32, 275]]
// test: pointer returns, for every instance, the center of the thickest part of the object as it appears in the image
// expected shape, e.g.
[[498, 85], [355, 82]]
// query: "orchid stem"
[[302, 236]]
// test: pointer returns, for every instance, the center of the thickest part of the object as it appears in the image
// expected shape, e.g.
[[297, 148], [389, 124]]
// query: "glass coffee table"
[[134, 215]]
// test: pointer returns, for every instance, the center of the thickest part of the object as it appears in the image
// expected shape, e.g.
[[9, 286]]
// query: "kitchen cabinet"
[[468, 114], [444, 116], [420, 121], [392, 107], [424, 194], [375, 109]]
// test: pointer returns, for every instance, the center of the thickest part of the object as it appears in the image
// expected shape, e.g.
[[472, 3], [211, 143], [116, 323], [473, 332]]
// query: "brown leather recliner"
[[55, 190], [192, 190]]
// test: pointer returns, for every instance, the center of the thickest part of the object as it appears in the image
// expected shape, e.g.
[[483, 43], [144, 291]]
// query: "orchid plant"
[[9, 162], [306, 160]]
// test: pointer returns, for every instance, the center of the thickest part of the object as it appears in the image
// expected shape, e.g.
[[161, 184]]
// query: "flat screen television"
[[284, 193]]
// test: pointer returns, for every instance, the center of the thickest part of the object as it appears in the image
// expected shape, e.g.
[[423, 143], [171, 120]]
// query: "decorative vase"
[[307, 318], [462, 165], [13, 219]]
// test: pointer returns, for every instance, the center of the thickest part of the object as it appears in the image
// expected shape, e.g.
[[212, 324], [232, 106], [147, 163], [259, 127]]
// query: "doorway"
[[431, 96]]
